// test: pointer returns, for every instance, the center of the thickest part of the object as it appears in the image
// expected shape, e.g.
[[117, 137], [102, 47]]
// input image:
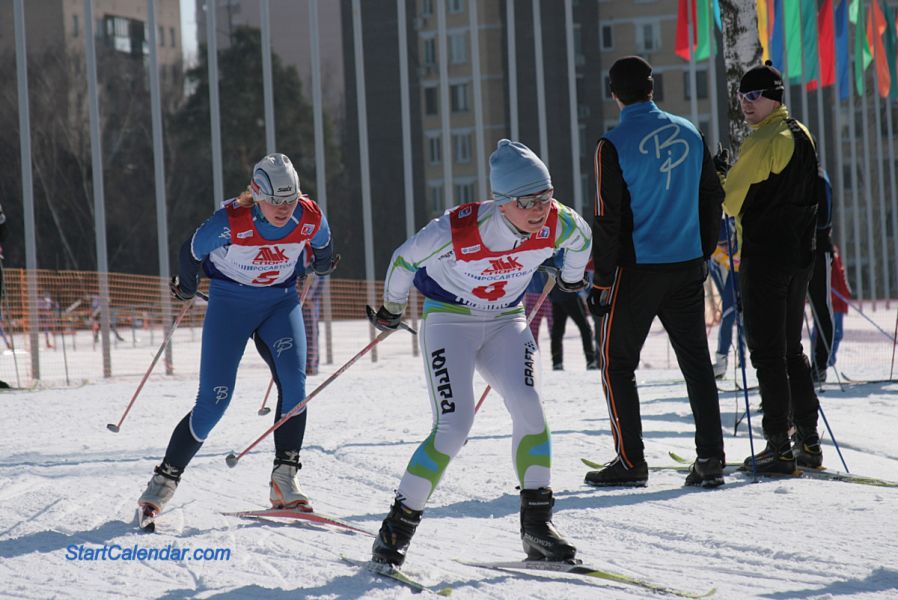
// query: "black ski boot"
[[540, 538], [706, 472], [776, 458], [395, 535], [806, 447]]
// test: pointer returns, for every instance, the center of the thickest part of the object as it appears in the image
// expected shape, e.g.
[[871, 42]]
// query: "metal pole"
[[802, 76], [855, 204], [880, 179], [320, 160], [572, 105], [893, 182], [474, 25], [97, 175], [27, 185], [712, 79], [446, 133], [268, 93], [693, 88], [159, 172], [214, 109], [362, 111], [868, 201], [407, 173], [512, 71], [540, 81]]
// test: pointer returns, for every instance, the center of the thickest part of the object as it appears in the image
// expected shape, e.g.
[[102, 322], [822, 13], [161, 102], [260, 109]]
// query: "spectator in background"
[[47, 308], [573, 305], [840, 304], [534, 289], [820, 285], [724, 281]]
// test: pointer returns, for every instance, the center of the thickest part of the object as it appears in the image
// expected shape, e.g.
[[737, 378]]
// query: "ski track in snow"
[[65, 479]]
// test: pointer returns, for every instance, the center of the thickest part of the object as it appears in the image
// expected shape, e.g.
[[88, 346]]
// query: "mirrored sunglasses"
[[751, 96], [280, 200]]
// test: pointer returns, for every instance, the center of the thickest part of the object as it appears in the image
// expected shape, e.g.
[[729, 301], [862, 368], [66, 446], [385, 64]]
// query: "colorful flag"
[[702, 41], [890, 42], [682, 45], [862, 55], [842, 58], [809, 40], [777, 46], [877, 28], [826, 44], [792, 21], [765, 26]]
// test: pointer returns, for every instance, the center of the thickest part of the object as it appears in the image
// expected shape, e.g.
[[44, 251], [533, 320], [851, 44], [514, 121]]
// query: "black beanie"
[[630, 74], [764, 77]]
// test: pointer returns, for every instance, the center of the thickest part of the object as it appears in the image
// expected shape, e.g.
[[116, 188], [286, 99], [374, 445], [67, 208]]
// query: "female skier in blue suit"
[[251, 250]]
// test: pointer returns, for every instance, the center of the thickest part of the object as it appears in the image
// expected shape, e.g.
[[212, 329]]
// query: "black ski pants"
[[573, 306], [820, 294], [773, 298], [676, 296]]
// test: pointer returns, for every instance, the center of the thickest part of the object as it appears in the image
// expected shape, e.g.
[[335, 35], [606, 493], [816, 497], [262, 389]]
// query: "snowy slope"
[[67, 481]]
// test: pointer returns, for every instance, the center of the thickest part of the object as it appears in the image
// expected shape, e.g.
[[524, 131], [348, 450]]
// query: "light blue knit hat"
[[516, 171]]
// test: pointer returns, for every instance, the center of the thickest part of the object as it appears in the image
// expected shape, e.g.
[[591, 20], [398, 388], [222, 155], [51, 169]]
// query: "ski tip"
[[231, 460], [112, 428]]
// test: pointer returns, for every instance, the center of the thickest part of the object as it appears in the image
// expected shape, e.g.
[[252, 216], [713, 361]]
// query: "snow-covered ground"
[[67, 482]]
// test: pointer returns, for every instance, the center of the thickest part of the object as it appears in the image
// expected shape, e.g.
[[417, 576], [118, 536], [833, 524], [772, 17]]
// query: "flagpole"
[[788, 87], [693, 92], [805, 116], [890, 130], [837, 137], [868, 196], [712, 80], [855, 169], [880, 178]]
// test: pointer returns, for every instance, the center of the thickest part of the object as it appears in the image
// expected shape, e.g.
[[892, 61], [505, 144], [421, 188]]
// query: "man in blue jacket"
[[657, 216]]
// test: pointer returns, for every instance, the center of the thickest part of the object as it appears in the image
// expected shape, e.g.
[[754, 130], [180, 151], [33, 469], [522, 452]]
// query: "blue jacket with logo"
[[658, 197]]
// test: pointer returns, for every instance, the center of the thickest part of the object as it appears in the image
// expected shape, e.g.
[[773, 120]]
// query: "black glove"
[[327, 268], [177, 293], [384, 320], [705, 271], [573, 288], [722, 160], [599, 302]]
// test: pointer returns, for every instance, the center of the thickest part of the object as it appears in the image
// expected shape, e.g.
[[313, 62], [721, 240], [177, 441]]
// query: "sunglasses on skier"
[[750, 96], [527, 202], [272, 200]]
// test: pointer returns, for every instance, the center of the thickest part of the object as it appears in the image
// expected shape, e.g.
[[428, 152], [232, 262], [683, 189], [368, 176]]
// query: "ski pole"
[[739, 330], [861, 312], [233, 458], [306, 286], [171, 331], [826, 342], [264, 410], [550, 283]]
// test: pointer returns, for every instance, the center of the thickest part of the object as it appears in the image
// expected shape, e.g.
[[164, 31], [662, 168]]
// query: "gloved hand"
[[2, 216], [328, 268], [722, 160], [385, 320], [177, 293], [564, 286], [599, 301]]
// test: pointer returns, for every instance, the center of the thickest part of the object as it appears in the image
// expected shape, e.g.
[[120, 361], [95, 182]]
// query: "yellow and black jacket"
[[773, 191]]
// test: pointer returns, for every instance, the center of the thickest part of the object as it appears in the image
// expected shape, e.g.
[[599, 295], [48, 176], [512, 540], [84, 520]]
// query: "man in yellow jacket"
[[772, 191]]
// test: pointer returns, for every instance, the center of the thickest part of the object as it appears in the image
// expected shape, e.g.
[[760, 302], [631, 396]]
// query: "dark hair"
[[627, 97], [631, 81]]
